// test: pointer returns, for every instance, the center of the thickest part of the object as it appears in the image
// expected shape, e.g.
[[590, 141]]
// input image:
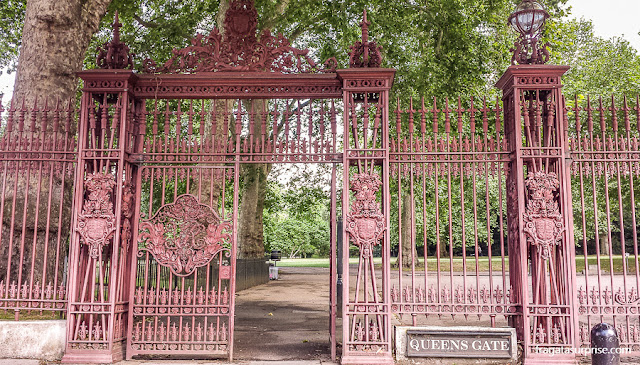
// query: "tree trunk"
[[55, 39], [408, 249], [250, 228]]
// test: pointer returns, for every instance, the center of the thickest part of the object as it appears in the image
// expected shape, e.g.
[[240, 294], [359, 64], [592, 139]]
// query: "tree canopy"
[[439, 47], [296, 220], [11, 22]]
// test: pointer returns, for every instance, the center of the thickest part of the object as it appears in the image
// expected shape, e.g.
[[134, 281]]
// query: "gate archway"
[[155, 229], [164, 147]]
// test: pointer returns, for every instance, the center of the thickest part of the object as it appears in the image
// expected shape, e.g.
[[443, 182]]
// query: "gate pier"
[[100, 252], [539, 213], [366, 312]]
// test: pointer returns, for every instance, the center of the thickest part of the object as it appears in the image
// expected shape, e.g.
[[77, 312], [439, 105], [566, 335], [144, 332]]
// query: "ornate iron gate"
[[448, 169], [182, 291], [154, 232], [604, 137]]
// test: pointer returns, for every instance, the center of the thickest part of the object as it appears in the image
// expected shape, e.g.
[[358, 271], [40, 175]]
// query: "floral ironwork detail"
[[365, 222], [623, 298], [365, 53], [240, 49], [97, 221], [114, 54], [543, 221], [184, 235]]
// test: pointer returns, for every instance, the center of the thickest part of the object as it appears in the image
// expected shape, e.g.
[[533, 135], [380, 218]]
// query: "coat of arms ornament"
[[365, 222], [543, 222], [184, 235], [97, 222]]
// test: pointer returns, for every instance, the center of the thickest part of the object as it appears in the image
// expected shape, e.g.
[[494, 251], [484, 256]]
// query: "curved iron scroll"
[[184, 235]]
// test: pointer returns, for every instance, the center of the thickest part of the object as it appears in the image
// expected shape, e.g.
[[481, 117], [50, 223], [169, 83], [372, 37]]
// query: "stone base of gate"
[[78, 356], [555, 359], [42, 340], [367, 360]]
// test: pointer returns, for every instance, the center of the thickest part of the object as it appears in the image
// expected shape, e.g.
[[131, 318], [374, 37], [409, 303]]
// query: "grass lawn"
[[29, 315], [317, 262], [431, 262], [483, 263]]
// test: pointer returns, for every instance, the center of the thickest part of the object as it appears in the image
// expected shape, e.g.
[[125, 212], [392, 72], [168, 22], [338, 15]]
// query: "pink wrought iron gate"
[[604, 140], [483, 189], [448, 168], [182, 291], [37, 167]]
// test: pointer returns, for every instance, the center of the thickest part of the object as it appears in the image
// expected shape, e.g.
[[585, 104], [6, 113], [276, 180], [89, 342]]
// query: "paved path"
[[287, 319]]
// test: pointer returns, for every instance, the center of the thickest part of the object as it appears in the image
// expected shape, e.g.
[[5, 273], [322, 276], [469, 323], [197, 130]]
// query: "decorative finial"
[[365, 27], [528, 19], [365, 53], [116, 28], [114, 54]]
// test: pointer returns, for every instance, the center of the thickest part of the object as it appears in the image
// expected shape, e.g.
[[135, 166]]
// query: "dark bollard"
[[605, 344]]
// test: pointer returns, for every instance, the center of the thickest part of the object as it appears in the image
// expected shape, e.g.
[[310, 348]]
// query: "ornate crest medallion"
[[365, 222], [97, 222], [543, 222], [240, 49], [184, 235]]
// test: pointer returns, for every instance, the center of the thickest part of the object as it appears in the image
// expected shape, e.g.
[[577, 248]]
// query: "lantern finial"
[[528, 19]]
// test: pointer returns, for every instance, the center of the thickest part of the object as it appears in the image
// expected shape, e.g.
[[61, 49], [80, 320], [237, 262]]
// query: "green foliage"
[[599, 67], [152, 28], [296, 221], [11, 22], [440, 47]]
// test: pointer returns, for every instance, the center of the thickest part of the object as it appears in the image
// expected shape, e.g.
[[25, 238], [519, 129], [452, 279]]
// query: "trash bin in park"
[[273, 272], [276, 255]]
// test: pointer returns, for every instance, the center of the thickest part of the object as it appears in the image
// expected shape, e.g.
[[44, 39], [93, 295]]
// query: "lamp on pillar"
[[528, 19], [539, 204]]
